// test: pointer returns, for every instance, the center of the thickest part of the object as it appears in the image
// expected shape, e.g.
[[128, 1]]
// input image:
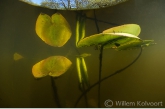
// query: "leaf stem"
[[100, 70], [56, 97]]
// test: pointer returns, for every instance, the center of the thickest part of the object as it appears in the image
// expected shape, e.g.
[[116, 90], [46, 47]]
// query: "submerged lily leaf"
[[52, 66], [120, 34], [73, 4], [54, 30]]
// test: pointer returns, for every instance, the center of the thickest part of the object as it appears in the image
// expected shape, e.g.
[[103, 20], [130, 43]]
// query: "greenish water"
[[143, 81]]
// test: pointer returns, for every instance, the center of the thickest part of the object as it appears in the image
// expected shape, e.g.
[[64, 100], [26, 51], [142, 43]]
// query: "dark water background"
[[143, 81]]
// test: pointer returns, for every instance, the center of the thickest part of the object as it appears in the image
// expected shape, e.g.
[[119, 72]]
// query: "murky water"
[[143, 81]]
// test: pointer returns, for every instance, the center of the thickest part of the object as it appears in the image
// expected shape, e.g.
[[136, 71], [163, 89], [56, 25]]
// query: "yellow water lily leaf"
[[52, 66], [54, 30], [17, 56]]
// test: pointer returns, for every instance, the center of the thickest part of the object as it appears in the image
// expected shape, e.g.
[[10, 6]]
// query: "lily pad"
[[53, 66], [120, 34], [54, 30]]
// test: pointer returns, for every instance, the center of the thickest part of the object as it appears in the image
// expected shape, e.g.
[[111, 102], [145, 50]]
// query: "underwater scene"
[[82, 53]]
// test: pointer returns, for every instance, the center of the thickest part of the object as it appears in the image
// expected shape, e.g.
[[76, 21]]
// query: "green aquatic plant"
[[52, 29], [55, 31], [119, 38]]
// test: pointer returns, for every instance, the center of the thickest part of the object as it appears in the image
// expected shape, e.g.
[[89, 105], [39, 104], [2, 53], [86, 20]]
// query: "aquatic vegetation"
[[54, 30], [73, 4], [17, 56], [53, 66]]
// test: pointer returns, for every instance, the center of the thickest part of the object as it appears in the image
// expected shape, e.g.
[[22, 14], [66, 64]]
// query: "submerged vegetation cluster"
[[55, 31]]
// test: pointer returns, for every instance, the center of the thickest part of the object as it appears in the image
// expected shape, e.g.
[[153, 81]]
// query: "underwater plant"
[[122, 37], [52, 29]]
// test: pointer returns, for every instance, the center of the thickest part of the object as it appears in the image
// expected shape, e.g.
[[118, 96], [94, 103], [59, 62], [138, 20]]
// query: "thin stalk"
[[95, 19], [85, 97], [56, 97], [100, 63], [100, 70], [117, 72]]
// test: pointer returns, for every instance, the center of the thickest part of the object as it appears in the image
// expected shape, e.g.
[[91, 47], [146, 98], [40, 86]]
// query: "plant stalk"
[[56, 97], [100, 70]]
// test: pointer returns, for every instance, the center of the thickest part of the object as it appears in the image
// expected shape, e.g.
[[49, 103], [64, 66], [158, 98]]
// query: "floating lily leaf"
[[73, 4], [53, 66], [82, 72], [54, 30], [120, 34]]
